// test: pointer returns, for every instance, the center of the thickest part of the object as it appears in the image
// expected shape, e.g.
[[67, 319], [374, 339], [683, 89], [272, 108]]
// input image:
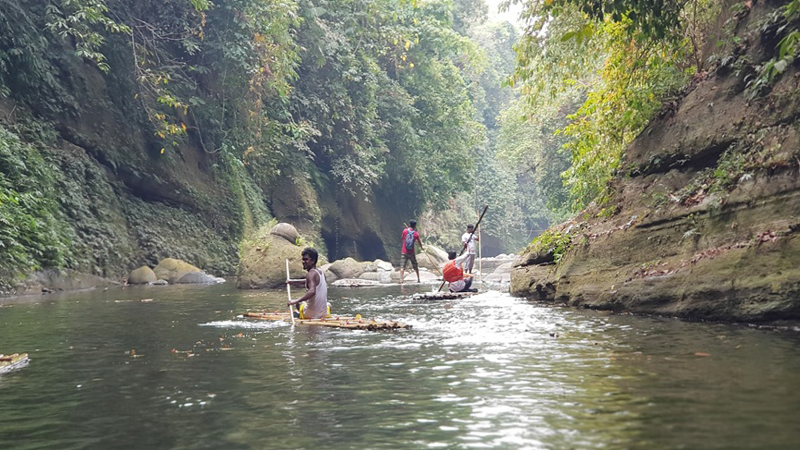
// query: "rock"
[[263, 262], [142, 275], [52, 280], [426, 261], [411, 276], [199, 278], [159, 283], [347, 268], [286, 231], [437, 254], [172, 270], [383, 265], [503, 268], [330, 277], [498, 277], [382, 276], [369, 266]]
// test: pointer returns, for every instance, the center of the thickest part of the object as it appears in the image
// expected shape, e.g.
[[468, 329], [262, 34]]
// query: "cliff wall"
[[704, 214]]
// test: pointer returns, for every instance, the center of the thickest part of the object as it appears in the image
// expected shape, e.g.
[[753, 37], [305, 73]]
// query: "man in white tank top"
[[316, 296]]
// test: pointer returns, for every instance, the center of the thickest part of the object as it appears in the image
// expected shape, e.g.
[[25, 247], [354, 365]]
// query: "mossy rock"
[[142, 275], [263, 263], [171, 269], [286, 231]]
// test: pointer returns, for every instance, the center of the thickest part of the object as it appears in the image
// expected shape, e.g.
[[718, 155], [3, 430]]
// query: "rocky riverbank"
[[703, 217]]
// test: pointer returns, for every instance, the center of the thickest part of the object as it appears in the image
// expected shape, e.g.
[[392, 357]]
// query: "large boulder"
[[433, 258], [347, 268], [286, 231], [436, 254], [199, 278], [427, 261], [330, 277], [171, 269], [142, 275], [504, 268], [383, 266], [263, 262]]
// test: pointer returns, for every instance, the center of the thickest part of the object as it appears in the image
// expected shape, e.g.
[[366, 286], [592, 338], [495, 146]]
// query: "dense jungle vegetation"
[[425, 105]]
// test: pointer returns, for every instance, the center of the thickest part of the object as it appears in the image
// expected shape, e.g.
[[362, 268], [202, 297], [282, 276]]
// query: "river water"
[[174, 368]]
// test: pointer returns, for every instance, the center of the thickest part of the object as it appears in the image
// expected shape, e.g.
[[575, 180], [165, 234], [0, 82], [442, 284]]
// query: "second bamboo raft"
[[445, 295], [352, 323], [12, 361]]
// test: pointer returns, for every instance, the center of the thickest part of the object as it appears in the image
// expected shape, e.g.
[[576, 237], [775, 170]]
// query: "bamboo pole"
[[289, 290], [480, 257]]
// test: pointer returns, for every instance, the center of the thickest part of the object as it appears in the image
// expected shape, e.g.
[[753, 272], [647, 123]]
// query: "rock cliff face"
[[127, 204], [704, 217]]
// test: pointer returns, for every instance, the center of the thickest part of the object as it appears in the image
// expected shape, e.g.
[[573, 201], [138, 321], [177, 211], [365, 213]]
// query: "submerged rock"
[[171, 269], [199, 278]]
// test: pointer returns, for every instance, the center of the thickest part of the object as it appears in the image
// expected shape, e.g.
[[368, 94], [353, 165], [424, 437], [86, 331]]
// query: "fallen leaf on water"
[[701, 354]]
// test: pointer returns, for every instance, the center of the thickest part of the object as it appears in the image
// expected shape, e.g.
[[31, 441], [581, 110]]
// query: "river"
[[175, 368]]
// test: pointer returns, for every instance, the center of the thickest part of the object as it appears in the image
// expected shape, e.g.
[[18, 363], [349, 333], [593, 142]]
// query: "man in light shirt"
[[468, 239]]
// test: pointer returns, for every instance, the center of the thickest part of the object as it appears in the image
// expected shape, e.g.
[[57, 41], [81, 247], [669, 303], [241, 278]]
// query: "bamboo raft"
[[13, 361], [444, 295], [351, 323]]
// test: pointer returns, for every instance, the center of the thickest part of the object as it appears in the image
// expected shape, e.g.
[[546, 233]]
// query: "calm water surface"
[[174, 368]]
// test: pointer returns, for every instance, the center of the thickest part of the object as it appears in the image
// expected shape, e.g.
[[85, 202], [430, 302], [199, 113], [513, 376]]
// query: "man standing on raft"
[[468, 240], [407, 253], [315, 299]]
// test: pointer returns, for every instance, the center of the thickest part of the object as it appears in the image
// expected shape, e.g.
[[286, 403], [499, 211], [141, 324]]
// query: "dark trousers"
[[467, 285]]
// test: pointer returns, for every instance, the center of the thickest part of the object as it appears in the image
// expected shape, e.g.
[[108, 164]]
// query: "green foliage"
[[552, 242], [528, 146], [358, 96], [384, 88], [26, 71], [31, 236], [632, 83], [781, 26], [644, 20], [76, 19], [623, 57]]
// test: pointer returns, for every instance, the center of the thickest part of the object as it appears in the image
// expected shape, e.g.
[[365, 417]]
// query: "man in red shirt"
[[407, 253], [453, 272]]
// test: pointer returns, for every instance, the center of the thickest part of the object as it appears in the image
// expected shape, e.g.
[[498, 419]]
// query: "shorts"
[[406, 257], [302, 306]]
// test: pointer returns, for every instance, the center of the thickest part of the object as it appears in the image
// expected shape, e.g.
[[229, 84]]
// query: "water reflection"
[[180, 370]]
